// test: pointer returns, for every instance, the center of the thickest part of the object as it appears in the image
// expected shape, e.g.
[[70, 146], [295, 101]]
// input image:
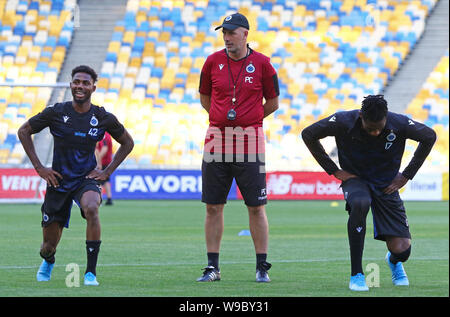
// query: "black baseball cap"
[[232, 22]]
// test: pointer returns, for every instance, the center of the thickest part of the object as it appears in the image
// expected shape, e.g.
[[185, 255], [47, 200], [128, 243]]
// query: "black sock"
[[92, 249], [213, 259], [356, 236], [356, 230], [260, 258], [50, 258]]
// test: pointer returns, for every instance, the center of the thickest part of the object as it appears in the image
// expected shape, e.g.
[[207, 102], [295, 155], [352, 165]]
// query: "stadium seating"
[[328, 54], [34, 38], [431, 106]]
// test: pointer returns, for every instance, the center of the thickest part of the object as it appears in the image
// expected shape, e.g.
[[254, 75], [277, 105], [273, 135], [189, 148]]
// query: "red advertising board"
[[302, 185], [21, 183]]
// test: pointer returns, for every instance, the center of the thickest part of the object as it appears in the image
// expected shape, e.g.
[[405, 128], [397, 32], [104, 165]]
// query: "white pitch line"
[[222, 262]]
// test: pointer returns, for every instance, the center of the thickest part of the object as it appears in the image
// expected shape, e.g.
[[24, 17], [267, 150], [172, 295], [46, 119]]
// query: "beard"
[[80, 100]]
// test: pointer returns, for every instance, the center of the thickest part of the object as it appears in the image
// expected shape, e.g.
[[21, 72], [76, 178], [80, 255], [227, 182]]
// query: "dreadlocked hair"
[[374, 108]]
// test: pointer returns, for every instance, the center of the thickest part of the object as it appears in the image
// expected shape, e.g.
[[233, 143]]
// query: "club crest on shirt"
[[391, 137], [94, 121], [250, 68]]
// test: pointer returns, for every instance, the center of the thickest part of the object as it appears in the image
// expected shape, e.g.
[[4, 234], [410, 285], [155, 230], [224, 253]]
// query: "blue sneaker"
[[45, 271], [358, 283], [90, 279], [399, 277]]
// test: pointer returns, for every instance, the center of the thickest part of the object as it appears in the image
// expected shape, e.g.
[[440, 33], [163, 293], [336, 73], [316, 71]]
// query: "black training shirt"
[[375, 159], [75, 137]]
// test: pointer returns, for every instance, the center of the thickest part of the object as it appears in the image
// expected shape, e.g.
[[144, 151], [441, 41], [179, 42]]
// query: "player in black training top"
[[370, 144], [76, 127]]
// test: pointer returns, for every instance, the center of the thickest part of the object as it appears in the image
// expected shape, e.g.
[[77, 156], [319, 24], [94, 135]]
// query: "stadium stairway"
[[89, 46], [93, 34], [424, 57]]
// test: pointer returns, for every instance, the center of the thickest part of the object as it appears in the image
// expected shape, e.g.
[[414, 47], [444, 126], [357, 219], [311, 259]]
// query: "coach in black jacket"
[[370, 144]]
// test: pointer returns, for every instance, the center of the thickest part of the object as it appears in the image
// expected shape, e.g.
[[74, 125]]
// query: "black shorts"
[[250, 175], [388, 211], [57, 205]]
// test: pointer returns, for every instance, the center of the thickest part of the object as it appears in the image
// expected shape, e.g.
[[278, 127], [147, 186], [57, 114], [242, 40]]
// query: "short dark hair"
[[374, 108], [85, 69]]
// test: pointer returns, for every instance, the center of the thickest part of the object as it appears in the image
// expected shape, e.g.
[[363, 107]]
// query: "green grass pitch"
[[157, 248]]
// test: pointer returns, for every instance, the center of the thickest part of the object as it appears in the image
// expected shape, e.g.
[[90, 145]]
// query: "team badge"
[[231, 115], [94, 121], [391, 136], [228, 18], [250, 68]]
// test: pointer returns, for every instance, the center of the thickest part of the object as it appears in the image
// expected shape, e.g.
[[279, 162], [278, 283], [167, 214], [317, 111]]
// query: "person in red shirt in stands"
[[104, 154]]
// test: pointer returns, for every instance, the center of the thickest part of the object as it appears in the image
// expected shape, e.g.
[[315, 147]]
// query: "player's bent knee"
[[360, 204], [404, 255], [91, 211]]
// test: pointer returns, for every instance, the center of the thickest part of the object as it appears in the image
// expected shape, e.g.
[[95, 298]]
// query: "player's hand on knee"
[[398, 182]]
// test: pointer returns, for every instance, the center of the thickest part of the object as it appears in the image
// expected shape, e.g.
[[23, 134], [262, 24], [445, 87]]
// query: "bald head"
[[235, 42]]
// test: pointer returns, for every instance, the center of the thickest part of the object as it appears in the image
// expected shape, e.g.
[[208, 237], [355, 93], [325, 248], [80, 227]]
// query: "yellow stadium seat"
[[128, 37], [164, 37], [186, 62], [160, 62]]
